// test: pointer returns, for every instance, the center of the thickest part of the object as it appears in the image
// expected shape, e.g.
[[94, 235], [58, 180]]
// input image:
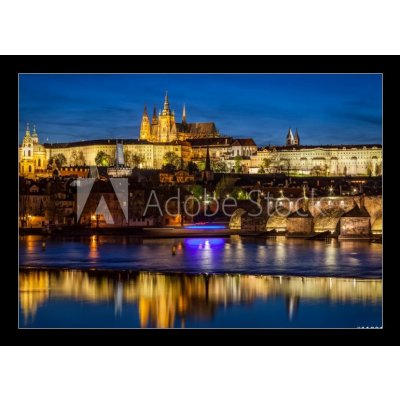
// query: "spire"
[[208, 162], [145, 126], [289, 138], [297, 138], [28, 132], [34, 131], [155, 118], [184, 114], [166, 103]]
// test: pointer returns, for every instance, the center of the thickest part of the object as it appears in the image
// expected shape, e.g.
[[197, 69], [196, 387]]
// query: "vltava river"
[[123, 282]]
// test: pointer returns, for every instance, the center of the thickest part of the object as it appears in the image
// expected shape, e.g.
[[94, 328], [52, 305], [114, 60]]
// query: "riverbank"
[[178, 232]]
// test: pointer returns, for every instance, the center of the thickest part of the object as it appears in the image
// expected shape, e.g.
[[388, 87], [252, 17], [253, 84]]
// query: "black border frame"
[[12, 66]]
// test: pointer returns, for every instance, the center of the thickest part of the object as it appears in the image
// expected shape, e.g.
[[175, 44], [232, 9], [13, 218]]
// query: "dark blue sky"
[[327, 109]]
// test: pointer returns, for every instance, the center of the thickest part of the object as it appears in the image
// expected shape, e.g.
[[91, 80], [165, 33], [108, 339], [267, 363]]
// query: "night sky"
[[327, 109]]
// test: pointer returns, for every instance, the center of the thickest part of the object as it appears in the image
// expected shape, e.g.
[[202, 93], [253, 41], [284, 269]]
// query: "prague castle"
[[162, 134], [164, 128]]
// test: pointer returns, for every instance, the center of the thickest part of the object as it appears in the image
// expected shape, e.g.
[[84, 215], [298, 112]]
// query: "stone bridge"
[[340, 215]]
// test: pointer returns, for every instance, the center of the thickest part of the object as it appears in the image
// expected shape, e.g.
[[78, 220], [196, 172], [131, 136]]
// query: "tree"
[[102, 159], [192, 167], [74, 158], [286, 166], [60, 160], [238, 166], [81, 158], [136, 160], [220, 166], [127, 158], [261, 170], [172, 158], [378, 169], [266, 163], [197, 191], [54, 209], [133, 160], [369, 168], [239, 194], [225, 186], [201, 164], [77, 158], [274, 160], [169, 168]]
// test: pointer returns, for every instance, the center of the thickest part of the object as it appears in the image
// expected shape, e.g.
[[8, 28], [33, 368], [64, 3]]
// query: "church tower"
[[27, 146], [296, 138], [208, 174], [32, 155], [166, 125], [35, 138], [145, 133], [289, 138]]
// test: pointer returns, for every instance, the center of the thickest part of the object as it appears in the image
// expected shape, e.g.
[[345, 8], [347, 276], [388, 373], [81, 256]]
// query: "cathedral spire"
[[184, 114], [28, 132], [166, 103], [155, 118], [145, 129], [34, 131]]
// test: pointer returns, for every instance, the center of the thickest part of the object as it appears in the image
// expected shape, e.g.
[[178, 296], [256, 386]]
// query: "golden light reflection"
[[93, 247], [34, 287], [31, 241], [166, 300]]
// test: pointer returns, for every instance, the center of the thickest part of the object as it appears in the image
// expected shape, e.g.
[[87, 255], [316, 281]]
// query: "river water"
[[126, 282]]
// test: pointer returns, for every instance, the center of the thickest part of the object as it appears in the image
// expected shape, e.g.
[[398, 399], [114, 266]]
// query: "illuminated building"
[[32, 156], [162, 134], [164, 128], [333, 160]]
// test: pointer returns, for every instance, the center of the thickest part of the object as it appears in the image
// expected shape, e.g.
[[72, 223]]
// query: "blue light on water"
[[204, 243], [205, 227]]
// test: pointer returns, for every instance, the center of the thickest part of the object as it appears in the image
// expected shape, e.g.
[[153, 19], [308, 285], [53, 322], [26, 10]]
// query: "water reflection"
[[171, 300]]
